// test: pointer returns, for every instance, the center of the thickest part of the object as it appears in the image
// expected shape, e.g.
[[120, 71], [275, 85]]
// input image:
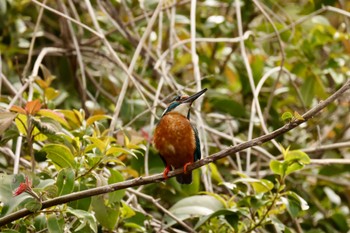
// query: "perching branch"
[[159, 177]]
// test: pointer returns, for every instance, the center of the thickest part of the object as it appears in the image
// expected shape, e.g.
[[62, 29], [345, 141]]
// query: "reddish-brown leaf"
[[32, 107], [17, 109]]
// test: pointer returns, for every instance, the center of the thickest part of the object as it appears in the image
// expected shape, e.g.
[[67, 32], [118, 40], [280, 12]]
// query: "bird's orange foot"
[[185, 167], [165, 172]]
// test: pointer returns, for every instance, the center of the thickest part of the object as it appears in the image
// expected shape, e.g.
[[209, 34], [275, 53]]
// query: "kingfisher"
[[176, 139]]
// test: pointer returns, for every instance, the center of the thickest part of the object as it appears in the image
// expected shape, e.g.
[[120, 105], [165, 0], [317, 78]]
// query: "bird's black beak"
[[192, 98]]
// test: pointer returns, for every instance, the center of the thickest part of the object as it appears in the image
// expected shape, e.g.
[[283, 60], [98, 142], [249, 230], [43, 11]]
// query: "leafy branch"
[[159, 177]]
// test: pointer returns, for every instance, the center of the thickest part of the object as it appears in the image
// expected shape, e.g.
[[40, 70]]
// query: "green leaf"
[[51, 191], [55, 224], [231, 216], [33, 205], [341, 221], [292, 205], [294, 161], [97, 143], [277, 167], [297, 155], [287, 116], [115, 177], [83, 203], [60, 155], [8, 183], [120, 150], [21, 122], [260, 186], [136, 222], [126, 211], [51, 93], [65, 181], [298, 116], [73, 117], [302, 204], [215, 174], [308, 91], [85, 218], [106, 215], [198, 205], [56, 116], [94, 118], [40, 222]]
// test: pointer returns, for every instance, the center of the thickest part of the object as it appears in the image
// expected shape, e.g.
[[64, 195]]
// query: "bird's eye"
[[176, 98]]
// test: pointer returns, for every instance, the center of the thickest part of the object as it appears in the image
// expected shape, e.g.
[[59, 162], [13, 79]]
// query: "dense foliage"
[[83, 84]]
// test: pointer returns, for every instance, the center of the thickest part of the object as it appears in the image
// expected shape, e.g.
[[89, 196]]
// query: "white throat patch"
[[183, 109]]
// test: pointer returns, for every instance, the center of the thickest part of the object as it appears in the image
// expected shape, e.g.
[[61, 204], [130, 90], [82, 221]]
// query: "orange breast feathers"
[[175, 140]]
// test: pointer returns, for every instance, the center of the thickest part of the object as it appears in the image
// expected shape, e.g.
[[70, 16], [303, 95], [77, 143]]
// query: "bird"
[[176, 139]]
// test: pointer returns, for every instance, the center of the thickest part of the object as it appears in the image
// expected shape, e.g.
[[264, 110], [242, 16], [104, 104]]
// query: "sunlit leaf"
[[260, 186], [57, 116], [98, 143], [287, 116], [94, 118], [126, 211], [51, 93], [18, 109], [298, 116], [48, 77], [298, 155], [119, 150], [21, 123], [277, 167], [215, 173], [73, 117], [32, 107]]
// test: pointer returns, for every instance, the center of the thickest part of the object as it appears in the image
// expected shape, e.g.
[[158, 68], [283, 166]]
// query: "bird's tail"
[[184, 178]]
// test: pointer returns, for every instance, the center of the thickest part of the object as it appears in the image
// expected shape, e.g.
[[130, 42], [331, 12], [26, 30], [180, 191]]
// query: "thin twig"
[[244, 55], [67, 17], [31, 47]]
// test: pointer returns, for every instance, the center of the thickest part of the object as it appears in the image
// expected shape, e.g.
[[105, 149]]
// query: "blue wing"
[[197, 152]]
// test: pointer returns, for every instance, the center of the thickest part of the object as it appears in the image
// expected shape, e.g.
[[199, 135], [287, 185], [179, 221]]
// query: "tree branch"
[[159, 177]]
